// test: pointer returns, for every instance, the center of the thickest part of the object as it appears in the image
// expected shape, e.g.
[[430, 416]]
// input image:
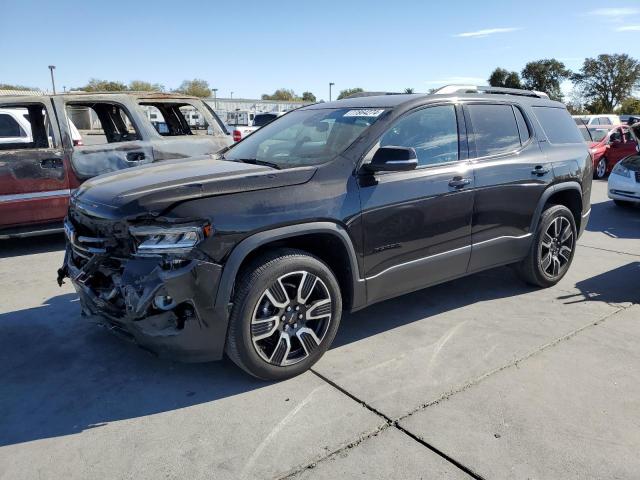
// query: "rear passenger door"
[[34, 186], [510, 175], [417, 224]]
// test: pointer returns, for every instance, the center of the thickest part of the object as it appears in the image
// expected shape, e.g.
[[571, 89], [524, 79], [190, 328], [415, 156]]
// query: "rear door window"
[[558, 125], [494, 129], [100, 123], [172, 119]]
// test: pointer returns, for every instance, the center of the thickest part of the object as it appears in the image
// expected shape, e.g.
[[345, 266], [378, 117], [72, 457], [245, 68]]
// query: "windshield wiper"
[[254, 161]]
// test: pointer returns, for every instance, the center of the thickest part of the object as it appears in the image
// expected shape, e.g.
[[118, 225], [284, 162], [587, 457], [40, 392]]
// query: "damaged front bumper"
[[165, 307]]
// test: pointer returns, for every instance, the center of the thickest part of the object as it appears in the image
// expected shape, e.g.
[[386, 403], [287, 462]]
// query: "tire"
[[600, 169], [622, 203], [280, 324], [546, 245]]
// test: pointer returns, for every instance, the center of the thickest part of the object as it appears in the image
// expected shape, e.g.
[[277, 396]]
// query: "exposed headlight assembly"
[[153, 240], [619, 169]]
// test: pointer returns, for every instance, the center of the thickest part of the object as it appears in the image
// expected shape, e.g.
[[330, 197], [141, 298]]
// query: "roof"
[[83, 95]]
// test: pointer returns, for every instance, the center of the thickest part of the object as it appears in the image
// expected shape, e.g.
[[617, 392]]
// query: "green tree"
[[545, 75], [308, 97], [348, 92], [504, 78], [608, 79], [196, 88], [282, 94], [8, 86], [96, 85], [408, 90], [629, 106], [142, 86]]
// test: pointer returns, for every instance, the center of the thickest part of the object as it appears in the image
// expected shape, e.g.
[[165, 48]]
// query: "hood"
[[152, 188], [632, 163]]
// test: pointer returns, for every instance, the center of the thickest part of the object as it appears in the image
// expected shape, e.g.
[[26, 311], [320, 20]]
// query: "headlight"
[[169, 239], [619, 169]]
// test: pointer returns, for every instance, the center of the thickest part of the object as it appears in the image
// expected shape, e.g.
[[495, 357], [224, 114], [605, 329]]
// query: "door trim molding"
[[32, 195]]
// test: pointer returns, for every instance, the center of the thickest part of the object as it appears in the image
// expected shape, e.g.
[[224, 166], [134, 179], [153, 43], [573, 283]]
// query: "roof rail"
[[449, 89], [371, 94]]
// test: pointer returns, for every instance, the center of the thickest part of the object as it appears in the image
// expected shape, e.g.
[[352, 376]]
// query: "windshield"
[[304, 137], [598, 134], [262, 120]]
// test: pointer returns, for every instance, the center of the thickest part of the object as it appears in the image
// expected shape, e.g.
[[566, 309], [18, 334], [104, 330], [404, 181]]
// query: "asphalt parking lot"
[[482, 377]]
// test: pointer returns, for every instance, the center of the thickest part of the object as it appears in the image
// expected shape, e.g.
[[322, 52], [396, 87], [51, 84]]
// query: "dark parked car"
[[332, 207]]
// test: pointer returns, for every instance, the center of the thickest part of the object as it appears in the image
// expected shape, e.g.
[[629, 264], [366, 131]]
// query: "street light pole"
[[231, 94], [53, 83], [215, 98], [331, 84]]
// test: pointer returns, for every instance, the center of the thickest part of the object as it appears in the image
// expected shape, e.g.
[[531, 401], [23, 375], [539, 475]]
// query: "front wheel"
[[552, 249], [601, 169], [286, 311]]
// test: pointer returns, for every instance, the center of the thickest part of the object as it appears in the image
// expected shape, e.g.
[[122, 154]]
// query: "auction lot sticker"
[[364, 112]]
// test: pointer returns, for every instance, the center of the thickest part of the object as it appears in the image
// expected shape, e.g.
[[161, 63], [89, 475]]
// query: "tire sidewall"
[[595, 170], [243, 312]]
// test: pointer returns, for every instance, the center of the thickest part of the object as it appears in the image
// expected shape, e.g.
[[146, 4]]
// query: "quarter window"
[[523, 129], [432, 132], [494, 129], [558, 125]]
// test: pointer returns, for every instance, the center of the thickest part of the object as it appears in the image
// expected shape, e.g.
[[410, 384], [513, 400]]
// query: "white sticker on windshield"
[[364, 112]]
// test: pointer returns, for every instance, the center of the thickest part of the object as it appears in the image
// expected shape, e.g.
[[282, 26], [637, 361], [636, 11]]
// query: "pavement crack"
[[515, 363], [388, 422], [608, 250]]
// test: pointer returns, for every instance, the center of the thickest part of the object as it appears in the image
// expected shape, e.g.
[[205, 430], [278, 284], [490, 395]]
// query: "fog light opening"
[[164, 302]]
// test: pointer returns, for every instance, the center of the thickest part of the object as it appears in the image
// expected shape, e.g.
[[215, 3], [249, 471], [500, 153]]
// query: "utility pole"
[[53, 83], [215, 98], [331, 84], [231, 94]]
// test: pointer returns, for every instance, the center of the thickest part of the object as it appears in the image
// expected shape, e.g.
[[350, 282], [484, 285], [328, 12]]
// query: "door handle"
[[540, 170], [459, 182], [51, 163], [135, 156]]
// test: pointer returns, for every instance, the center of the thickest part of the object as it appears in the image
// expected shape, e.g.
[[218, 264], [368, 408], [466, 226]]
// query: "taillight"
[[237, 135]]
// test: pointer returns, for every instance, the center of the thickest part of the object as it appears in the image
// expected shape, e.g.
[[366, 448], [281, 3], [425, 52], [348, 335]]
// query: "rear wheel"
[[601, 169], [552, 248], [286, 311]]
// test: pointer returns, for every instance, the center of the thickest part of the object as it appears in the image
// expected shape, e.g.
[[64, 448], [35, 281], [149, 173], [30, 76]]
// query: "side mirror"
[[393, 159]]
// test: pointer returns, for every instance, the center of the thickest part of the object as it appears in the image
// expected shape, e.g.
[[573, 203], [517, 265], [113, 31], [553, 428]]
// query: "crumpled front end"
[[165, 303]]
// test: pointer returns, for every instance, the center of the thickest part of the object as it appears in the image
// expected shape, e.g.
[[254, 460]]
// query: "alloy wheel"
[[601, 168], [291, 318], [556, 247]]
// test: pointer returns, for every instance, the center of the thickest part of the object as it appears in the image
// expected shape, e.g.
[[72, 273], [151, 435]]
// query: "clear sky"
[[252, 47]]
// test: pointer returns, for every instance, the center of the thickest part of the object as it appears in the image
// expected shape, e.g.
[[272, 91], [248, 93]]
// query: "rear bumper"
[[185, 329]]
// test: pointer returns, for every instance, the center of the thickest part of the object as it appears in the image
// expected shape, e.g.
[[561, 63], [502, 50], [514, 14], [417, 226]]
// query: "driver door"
[[417, 224]]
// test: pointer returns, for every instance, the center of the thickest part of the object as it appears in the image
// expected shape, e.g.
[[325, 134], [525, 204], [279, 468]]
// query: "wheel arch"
[[338, 253], [568, 194]]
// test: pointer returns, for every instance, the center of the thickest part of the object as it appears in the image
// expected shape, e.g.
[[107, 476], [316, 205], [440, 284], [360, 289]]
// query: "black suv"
[[331, 207]]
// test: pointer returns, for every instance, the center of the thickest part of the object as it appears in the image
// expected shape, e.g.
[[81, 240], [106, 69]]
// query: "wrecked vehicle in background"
[[40, 164]]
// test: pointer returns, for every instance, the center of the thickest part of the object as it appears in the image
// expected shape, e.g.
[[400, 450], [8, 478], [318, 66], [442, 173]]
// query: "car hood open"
[[151, 189]]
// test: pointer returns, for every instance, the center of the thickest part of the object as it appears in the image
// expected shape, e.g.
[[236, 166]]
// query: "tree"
[[7, 86], [96, 85], [545, 76], [282, 94], [609, 79], [408, 90], [504, 78], [195, 88], [348, 92], [630, 106], [308, 97], [142, 86]]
